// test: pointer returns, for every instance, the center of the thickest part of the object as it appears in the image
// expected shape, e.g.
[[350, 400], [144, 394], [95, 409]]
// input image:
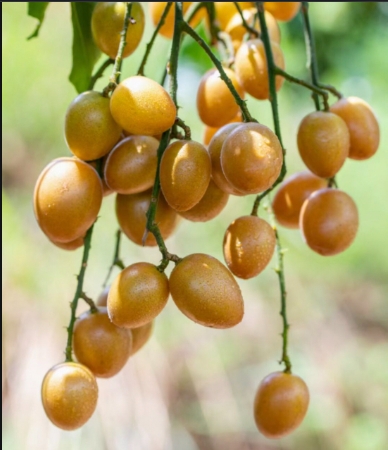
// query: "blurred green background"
[[193, 387]]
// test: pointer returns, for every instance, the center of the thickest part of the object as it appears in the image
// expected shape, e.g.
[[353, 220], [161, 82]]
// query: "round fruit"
[[214, 149], [226, 10], [131, 165], [281, 404], [67, 199], [215, 103], [251, 68], [329, 221], [210, 205], [137, 295], [131, 214], [69, 395], [72, 245], [206, 292], [107, 25], [362, 124], [90, 129], [209, 132], [237, 31], [142, 106], [156, 10], [141, 336], [99, 345], [251, 158], [185, 171], [249, 244], [289, 199], [283, 11], [323, 142]]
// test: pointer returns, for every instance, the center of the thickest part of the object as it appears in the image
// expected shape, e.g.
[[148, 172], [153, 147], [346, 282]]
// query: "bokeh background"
[[192, 387]]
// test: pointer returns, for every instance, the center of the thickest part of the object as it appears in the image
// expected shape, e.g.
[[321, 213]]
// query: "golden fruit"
[[226, 10], [329, 221], [90, 129], [249, 244], [291, 195], [251, 158], [156, 10], [280, 405], [206, 292], [69, 395], [362, 124], [215, 104], [251, 68], [99, 345], [209, 132], [137, 295], [72, 245], [131, 165], [131, 215], [323, 143], [283, 11], [185, 171], [67, 199], [142, 106], [210, 205], [107, 25]]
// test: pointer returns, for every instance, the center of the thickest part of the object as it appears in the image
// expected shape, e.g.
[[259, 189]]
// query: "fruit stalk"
[[116, 262], [246, 25], [99, 73], [78, 294]]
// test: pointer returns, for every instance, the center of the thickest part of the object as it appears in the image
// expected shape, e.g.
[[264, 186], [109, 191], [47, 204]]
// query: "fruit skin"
[[226, 10], [215, 147], [251, 158], [107, 25], [185, 171], [215, 104], [249, 244], [140, 335], [156, 10], [362, 124], [90, 129], [131, 215], [69, 395], [99, 345], [280, 405], [131, 166], [283, 11], [70, 246], [329, 221], [323, 143], [67, 199], [251, 68], [210, 205], [142, 106], [289, 199], [137, 295], [206, 292], [209, 132]]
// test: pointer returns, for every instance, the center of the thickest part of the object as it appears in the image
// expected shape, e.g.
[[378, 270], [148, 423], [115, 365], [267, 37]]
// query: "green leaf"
[[37, 10], [85, 52]]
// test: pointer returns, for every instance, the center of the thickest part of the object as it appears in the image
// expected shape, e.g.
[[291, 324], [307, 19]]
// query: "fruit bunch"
[[129, 140]]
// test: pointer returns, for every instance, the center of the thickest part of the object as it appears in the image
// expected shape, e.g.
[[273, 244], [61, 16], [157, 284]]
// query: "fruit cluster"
[[126, 140]]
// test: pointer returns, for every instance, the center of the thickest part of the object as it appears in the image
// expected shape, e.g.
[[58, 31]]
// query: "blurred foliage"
[[191, 387]]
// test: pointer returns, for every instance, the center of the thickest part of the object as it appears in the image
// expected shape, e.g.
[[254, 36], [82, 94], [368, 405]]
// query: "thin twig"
[[246, 25], [100, 72], [117, 261]]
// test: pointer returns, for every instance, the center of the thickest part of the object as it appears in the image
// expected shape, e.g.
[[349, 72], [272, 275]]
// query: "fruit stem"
[[90, 302], [99, 73], [240, 102], [117, 261], [246, 25], [151, 42], [78, 294]]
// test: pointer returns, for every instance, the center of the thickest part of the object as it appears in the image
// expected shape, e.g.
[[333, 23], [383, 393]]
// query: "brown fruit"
[[281, 404], [226, 10], [90, 129], [137, 295], [210, 205], [291, 195], [99, 345], [67, 199], [185, 171], [131, 165], [251, 67], [131, 214], [283, 11], [72, 245], [209, 132], [69, 395], [206, 292], [249, 244], [251, 158], [329, 221], [156, 10], [323, 143], [215, 104], [362, 124]]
